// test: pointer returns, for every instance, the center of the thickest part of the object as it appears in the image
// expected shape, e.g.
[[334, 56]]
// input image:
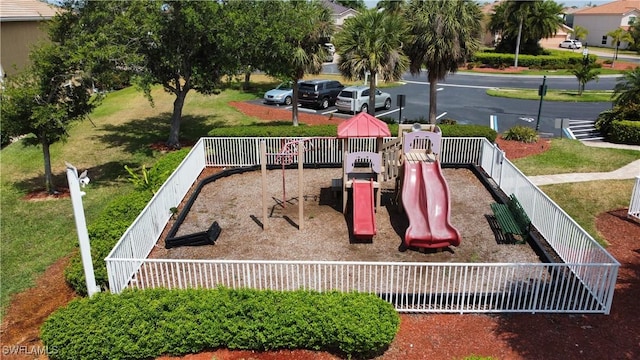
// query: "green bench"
[[512, 218]]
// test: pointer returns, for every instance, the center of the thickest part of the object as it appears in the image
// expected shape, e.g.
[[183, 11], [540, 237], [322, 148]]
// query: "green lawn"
[[36, 234], [552, 95]]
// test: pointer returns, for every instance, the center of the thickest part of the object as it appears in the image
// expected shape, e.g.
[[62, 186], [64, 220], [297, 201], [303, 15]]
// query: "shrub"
[[447, 121], [112, 222], [275, 130], [522, 134], [146, 324], [625, 132], [332, 130]]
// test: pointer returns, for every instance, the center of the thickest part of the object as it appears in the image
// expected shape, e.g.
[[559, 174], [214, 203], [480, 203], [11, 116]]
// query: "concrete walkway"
[[629, 171]]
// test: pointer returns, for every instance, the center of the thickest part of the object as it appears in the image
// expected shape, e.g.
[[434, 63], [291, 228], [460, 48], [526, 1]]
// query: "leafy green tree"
[[298, 49], [522, 24], [45, 100], [252, 39], [372, 42], [443, 36], [617, 36], [585, 72], [180, 45]]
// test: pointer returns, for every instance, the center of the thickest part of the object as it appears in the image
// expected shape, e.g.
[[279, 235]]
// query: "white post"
[[81, 228]]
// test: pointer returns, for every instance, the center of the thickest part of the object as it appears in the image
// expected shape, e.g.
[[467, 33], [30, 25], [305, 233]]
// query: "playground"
[[234, 202], [400, 207]]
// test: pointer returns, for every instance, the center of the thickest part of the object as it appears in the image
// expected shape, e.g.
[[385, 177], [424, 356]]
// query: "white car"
[[571, 44], [356, 99]]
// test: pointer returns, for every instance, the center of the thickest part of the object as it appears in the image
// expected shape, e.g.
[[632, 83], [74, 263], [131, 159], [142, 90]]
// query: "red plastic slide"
[[425, 197], [364, 218]]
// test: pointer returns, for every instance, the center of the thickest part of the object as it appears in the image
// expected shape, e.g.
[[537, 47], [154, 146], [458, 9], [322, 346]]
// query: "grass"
[[36, 234], [552, 95], [584, 201], [555, 72], [571, 156]]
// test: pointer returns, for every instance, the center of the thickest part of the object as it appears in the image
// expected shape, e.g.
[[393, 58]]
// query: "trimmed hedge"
[[331, 130], [625, 132], [146, 324], [112, 222], [558, 60]]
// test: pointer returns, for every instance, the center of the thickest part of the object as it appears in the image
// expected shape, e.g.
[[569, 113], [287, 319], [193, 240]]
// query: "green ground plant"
[[146, 324], [552, 95]]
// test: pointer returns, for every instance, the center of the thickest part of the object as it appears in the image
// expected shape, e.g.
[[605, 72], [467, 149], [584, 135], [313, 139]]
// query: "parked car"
[[282, 94], [331, 50], [356, 98], [571, 44], [319, 93]]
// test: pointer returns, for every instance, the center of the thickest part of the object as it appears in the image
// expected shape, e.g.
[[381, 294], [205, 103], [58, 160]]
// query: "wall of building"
[[598, 27], [16, 40]]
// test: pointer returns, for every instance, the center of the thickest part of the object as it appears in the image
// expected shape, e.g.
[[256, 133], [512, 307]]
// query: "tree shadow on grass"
[[100, 175], [137, 136]]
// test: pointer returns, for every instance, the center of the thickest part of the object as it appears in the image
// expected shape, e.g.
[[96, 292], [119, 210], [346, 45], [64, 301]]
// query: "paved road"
[[463, 97]]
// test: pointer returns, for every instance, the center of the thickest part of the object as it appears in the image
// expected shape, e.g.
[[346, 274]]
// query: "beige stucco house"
[[600, 20], [20, 28], [339, 13]]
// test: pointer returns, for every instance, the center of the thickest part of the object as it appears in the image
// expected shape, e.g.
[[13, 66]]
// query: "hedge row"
[[332, 130], [555, 61], [146, 324], [625, 132], [111, 224]]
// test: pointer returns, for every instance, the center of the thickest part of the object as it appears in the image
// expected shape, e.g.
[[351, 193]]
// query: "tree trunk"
[[433, 91], [518, 42], [48, 177], [176, 117], [247, 79], [371, 110], [294, 109]]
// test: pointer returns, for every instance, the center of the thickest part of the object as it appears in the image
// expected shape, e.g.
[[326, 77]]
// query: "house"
[[21, 26], [339, 13], [600, 20]]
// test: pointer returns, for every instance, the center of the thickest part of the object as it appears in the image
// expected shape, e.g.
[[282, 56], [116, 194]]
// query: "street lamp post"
[[81, 226]]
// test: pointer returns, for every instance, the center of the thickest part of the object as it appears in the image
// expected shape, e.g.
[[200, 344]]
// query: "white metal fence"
[[634, 206], [584, 283]]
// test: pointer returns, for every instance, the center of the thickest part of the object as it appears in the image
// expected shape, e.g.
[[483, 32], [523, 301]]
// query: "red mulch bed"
[[512, 336]]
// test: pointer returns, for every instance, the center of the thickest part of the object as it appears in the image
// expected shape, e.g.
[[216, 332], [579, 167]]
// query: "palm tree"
[[298, 50], [617, 36], [585, 72], [523, 23], [627, 89], [372, 42], [579, 32], [443, 36]]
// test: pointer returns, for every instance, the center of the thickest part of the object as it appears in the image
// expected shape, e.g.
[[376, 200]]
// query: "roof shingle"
[[26, 10]]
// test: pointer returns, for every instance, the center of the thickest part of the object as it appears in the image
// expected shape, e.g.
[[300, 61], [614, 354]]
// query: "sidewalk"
[[629, 171]]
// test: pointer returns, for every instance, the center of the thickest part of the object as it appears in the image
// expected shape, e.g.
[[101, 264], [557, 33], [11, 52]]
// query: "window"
[[632, 20], [604, 40]]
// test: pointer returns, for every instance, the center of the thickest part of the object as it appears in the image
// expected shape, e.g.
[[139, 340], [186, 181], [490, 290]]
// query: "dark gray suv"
[[319, 93]]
